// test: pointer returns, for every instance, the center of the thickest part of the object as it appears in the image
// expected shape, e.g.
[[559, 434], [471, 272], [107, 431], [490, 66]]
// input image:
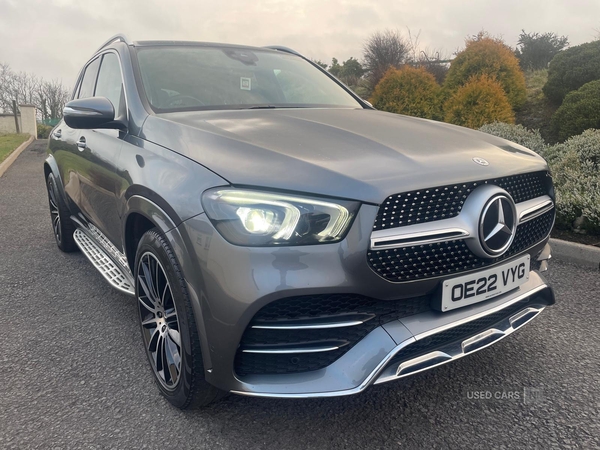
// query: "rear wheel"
[[62, 225], [168, 325]]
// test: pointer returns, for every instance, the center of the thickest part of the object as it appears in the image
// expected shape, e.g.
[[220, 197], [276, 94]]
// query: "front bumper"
[[378, 358], [228, 285]]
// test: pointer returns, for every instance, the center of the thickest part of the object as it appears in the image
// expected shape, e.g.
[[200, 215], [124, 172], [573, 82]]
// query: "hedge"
[[580, 111], [571, 69]]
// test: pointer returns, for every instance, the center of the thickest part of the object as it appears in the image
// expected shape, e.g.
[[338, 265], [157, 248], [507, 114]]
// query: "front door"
[[100, 149], [64, 145]]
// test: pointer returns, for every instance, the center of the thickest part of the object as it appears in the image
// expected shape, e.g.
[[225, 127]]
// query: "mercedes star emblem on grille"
[[497, 225], [481, 161]]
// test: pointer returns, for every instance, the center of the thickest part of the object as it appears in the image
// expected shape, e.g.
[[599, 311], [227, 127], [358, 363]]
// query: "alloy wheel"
[[160, 324], [54, 212]]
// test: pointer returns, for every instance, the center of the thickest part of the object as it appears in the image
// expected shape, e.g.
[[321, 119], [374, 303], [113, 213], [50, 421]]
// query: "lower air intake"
[[301, 334]]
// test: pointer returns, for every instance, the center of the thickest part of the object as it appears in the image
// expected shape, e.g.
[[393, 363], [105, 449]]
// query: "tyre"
[[62, 225], [168, 326]]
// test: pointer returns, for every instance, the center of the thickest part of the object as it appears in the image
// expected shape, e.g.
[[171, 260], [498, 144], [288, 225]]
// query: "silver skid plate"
[[105, 265]]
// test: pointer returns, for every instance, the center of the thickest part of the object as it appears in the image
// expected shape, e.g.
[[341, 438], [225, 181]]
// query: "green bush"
[[575, 165], [530, 139], [578, 185], [571, 69], [519, 134], [587, 147], [580, 111], [484, 55], [482, 100], [411, 91], [43, 131]]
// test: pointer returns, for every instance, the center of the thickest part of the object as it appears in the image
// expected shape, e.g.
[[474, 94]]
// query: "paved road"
[[73, 372]]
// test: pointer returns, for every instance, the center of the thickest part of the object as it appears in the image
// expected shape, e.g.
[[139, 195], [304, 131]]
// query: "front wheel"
[[168, 326]]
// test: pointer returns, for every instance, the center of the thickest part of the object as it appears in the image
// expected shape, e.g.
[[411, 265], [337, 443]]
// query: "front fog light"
[[255, 218]]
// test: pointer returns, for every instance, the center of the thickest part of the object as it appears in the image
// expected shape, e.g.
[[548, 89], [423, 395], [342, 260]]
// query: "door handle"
[[81, 144], [57, 133]]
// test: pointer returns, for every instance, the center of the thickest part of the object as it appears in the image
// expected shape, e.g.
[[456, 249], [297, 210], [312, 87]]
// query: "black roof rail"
[[116, 37], [281, 48]]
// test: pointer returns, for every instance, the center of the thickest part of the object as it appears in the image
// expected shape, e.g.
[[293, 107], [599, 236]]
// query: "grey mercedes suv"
[[280, 236]]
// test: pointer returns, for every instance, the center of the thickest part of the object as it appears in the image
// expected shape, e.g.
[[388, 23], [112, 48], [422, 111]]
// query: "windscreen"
[[179, 78]]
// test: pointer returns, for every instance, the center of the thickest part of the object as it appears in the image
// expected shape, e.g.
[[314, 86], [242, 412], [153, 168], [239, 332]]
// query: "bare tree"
[[435, 62], [24, 87], [413, 45], [432, 60], [6, 81], [383, 50], [49, 97], [21, 87]]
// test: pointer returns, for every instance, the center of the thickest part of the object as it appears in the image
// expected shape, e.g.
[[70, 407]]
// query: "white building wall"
[[28, 120]]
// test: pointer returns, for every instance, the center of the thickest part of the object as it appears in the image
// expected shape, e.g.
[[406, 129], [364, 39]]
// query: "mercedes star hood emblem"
[[481, 161]]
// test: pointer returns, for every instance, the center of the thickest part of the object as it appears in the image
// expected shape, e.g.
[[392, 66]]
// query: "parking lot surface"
[[73, 373]]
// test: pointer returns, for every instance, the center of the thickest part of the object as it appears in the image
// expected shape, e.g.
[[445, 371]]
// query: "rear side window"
[[110, 83], [89, 79]]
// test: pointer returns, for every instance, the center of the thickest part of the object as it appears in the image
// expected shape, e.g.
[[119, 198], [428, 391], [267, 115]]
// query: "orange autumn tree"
[[480, 101], [408, 90], [485, 55]]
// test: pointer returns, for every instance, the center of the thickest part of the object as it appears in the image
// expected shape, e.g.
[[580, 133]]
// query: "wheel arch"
[[51, 167], [47, 169], [142, 215]]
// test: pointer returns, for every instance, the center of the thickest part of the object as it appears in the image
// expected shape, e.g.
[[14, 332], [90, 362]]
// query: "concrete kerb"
[[583, 255], [14, 155]]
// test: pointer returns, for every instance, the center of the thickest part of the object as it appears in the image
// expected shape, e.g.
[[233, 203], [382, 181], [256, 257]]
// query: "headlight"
[[254, 218]]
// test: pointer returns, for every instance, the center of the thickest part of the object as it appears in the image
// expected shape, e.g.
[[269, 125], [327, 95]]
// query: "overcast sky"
[[53, 38]]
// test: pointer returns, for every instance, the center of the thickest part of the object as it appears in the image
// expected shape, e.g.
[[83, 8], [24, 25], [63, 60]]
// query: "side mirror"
[[90, 113]]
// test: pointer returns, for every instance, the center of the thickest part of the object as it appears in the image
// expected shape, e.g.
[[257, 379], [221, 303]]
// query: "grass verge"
[[9, 143]]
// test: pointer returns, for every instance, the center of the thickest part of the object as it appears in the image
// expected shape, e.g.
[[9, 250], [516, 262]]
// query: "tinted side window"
[[110, 84], [89, 79]]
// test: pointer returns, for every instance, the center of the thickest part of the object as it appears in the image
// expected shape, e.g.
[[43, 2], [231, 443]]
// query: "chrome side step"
[[111, 271], [457, 350], [109, 247]]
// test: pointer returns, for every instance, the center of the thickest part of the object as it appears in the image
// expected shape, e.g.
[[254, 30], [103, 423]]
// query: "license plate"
[[480, 286]]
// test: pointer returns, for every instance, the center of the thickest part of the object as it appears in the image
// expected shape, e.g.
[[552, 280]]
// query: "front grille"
[[445, 258], [315, 309], [456, 334], [444, 202]]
